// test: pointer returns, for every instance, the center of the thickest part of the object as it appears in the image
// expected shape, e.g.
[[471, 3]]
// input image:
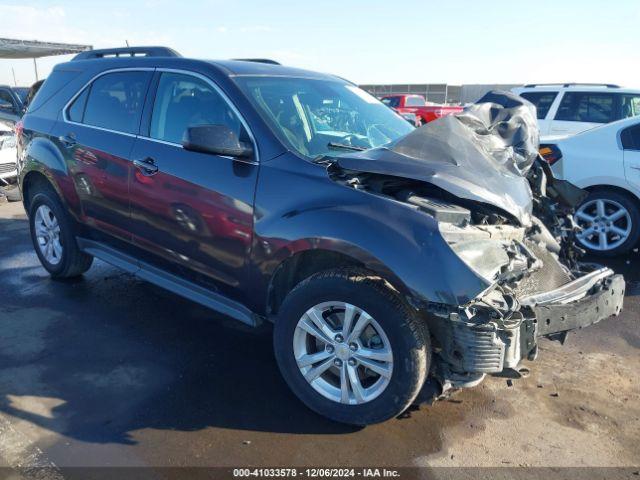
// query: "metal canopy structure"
[[16, 49], [11, 48]]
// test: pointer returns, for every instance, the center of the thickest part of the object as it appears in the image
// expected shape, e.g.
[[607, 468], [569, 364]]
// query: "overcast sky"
[[451, 41]]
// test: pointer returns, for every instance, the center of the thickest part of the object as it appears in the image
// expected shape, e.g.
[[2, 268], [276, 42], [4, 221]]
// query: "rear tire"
[[394, 336], [53, 237]]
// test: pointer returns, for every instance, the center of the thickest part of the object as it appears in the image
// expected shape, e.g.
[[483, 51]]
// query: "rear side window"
[[587, 107], [115, 101], [630, 105], [414, 102], [542, 101], [631, 138], [184, 101]]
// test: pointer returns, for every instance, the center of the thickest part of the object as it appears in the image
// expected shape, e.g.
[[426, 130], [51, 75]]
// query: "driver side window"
[[184, 101]]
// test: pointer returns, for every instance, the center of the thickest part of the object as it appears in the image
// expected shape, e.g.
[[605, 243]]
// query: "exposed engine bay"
[[478, 174]]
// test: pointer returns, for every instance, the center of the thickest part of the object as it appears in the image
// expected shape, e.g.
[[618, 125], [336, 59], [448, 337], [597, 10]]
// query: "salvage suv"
[[384, 255]]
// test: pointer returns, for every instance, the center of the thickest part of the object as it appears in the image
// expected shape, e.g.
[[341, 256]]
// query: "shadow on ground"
[[107, 354]]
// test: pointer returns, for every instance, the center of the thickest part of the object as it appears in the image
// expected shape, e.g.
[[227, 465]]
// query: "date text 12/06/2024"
[[316, 472]]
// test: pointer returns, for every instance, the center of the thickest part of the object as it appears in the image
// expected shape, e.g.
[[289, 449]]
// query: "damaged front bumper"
[[580, 303], [475, 341]]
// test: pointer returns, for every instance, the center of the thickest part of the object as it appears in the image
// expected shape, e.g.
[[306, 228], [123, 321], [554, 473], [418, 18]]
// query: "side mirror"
[[7, 107], [217, 140]]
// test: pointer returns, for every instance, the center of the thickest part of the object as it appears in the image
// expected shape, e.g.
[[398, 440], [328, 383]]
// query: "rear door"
[[96, 135], [580, 111], [630, 140], [192, 213]]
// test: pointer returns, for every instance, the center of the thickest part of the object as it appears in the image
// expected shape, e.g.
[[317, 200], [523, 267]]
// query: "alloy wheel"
[[343, 353], [606, 224], [47, 231]]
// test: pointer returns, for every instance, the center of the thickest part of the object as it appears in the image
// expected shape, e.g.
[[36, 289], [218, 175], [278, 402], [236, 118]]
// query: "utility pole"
[[15, 84], [35, 67]]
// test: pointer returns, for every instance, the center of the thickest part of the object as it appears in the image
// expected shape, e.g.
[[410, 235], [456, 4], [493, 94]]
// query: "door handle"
[[147, 166], [68, 140]]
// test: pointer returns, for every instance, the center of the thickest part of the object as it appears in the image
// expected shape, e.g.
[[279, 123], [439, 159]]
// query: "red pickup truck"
[[416, 104]]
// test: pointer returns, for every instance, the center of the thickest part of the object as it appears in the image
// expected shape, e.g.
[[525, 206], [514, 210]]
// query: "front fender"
[[300, 208]]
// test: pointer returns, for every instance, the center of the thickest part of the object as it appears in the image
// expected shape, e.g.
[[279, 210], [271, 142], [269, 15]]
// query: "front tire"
[[54, 239], [610, 223], [350, 348]]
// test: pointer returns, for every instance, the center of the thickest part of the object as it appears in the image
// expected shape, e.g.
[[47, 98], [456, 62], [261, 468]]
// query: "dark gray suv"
[[384, 255]]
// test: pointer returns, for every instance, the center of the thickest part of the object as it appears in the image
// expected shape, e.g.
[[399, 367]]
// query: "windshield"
[[318, 117]]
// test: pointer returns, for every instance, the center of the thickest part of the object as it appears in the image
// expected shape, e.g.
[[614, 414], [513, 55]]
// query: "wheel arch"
[[45, 165], [31, 181], [305, 263], [615, 188]]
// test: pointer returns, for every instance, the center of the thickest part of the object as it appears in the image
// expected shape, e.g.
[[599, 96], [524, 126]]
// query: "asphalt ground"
[[110, 371]]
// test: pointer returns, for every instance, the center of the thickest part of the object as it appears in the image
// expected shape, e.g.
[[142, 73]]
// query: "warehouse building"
[[438, 92]]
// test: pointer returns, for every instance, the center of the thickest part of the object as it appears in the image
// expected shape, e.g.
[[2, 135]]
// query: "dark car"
[[12, 103], [384, 255]]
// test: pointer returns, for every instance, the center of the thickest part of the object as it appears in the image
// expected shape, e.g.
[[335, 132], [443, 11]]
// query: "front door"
[[96, 135], [192, 212]]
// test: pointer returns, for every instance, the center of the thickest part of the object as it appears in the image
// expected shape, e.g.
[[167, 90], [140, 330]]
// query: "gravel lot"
[[111, 371]]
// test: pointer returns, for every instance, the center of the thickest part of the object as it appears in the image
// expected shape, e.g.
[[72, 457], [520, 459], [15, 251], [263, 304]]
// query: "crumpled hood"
[[482, 154]]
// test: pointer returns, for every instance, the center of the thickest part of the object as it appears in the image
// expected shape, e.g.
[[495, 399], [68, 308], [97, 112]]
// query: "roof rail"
[[258, 60], [128, 52], [574, 84]]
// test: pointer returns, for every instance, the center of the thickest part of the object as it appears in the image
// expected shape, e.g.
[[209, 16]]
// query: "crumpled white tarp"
[[481, 154]]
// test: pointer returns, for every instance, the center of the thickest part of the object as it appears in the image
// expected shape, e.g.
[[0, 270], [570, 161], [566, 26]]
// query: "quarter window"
[[587, 107], [76, 110], [631, 138], [115, 101], [542, 101], [184, 101]]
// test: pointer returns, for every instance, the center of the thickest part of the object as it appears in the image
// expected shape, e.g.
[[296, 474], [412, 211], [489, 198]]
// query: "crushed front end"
[[497, 206], [533, 294]]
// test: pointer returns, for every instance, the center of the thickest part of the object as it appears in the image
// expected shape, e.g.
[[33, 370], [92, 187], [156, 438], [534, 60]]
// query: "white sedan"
[[8, 164], [606, 162]]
